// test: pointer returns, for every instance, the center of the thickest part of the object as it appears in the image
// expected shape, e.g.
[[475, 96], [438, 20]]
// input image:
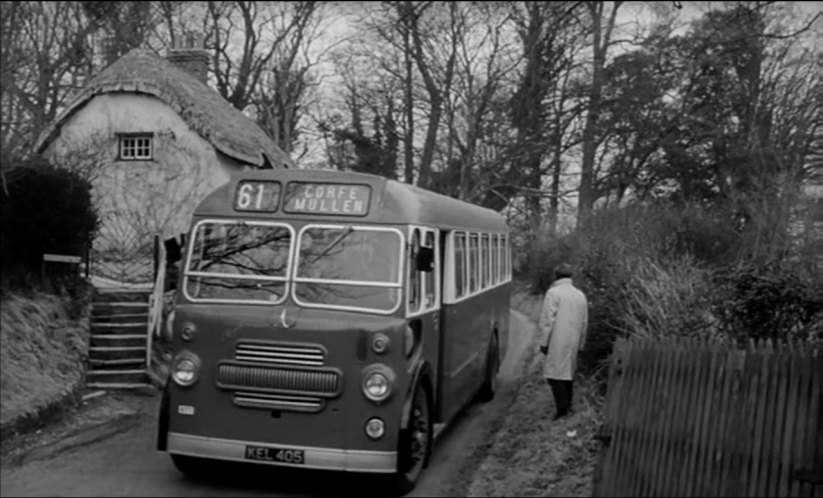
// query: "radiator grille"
[[323, 383], [279, 402], [284, 354]]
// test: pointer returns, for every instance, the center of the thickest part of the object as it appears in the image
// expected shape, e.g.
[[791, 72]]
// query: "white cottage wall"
[[139, 199]]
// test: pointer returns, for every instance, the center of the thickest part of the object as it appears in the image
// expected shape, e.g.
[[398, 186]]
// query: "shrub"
[[663, 270], [768, 302], [42, 350], [45, 210], [669, 297], [599, 258], [644, 269]]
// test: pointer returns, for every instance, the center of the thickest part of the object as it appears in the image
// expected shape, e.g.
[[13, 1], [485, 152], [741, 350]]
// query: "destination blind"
[[327, 198]]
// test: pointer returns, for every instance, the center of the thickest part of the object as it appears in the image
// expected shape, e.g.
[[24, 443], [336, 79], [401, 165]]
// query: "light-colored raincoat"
[[563, 322]]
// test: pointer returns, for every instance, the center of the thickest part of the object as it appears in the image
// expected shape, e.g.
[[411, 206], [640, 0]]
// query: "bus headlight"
[[185, 368], [377, 383], [375, 428], [380, 343]]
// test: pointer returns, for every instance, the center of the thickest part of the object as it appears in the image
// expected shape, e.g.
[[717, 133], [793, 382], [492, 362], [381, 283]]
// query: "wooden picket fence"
[[695, 418]]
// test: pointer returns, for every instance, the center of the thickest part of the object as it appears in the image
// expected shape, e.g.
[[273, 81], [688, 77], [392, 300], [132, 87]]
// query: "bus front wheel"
[[190, 466], [415, 442], [489, 387]]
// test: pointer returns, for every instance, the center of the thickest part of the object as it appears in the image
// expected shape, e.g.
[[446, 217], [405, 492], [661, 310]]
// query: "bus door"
[[423, 292]]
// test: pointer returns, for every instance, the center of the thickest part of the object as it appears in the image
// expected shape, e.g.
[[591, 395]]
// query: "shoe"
[[559, 416]]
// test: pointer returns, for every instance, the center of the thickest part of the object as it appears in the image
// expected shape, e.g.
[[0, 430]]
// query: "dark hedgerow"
[[768, 302], [45, 209]]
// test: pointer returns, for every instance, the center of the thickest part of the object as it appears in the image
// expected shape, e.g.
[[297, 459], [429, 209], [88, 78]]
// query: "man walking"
[[563, 322]]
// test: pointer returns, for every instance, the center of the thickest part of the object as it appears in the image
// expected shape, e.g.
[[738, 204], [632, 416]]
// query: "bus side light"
[[380, 343], [375, 428], [187, 334]]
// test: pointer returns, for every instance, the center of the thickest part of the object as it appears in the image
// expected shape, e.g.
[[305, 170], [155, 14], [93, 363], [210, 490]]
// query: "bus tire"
[[415, 442], [190, 466], [489, 387], [163, 420]]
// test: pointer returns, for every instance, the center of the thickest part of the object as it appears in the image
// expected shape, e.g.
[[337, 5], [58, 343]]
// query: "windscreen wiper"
[[346, 231]]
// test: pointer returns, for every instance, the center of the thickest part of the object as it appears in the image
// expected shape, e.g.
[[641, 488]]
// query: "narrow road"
[[119, 458]]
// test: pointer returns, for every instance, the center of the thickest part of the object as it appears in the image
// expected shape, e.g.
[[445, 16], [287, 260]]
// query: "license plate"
[[274, 454]]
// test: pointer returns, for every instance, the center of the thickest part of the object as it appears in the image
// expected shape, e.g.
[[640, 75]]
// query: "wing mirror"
[[425, 259]]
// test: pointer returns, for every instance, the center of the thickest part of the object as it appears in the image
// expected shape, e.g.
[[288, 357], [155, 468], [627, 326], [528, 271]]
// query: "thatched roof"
[[202, 108]]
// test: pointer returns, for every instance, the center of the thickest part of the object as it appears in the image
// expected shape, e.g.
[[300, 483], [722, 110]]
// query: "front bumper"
[[383, 462]]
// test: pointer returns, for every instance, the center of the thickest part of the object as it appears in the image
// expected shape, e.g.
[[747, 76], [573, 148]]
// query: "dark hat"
[[563, 270]]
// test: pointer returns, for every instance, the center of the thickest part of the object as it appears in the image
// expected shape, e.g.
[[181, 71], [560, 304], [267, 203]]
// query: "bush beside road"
[[43, 341]]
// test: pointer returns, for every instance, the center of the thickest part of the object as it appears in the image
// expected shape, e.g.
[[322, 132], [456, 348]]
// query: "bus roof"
[[392, 202]]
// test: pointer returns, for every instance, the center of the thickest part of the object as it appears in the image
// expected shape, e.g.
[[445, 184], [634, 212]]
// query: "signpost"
[[59, 258]]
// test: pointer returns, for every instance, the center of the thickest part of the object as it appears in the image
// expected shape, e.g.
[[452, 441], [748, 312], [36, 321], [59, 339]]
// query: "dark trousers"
[[562, 391]]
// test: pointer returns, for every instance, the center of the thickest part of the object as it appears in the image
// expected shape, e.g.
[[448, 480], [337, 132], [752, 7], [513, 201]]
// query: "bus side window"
[[474, 266], [503, 254], [495, 263], [429, 276], [486, 259], [414, 274], [507, 258], [460, 264], [500, 258]]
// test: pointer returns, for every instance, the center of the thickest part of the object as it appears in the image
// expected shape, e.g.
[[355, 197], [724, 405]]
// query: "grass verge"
[[530, 455], [42, 351]]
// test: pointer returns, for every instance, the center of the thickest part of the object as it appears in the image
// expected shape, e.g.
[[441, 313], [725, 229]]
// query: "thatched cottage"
[[154, 139]]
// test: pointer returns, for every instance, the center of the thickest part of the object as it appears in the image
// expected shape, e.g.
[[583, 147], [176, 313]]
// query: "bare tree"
[[408, 98], [124, 25], [484, 60], [46, 50], [247, 37], [424, 48], [602, 26], [540, 108], [367, 139], [289, 79], [50, 50]]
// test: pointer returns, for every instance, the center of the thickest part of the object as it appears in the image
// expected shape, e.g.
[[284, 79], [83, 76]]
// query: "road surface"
[[118, 458]]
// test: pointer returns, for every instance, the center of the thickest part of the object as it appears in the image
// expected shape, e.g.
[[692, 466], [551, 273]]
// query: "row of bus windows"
[[481, 260]]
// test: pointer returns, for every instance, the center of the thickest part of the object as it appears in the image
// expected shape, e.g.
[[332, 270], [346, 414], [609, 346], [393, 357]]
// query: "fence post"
[[156, 299], [155, 257]]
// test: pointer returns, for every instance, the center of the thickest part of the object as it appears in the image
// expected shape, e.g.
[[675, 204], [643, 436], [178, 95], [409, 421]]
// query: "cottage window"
[[136, 147]]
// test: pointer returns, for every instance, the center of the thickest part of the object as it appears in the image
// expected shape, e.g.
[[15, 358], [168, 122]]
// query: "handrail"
[[156, 303]]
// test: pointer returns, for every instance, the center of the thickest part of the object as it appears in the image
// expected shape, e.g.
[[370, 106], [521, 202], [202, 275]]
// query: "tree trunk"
[[600, 45], [435, 97], [408, 171]]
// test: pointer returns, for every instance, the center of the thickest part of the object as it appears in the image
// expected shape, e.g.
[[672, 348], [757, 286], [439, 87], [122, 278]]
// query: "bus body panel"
[[467, 328], [429, 325], [209, 410]]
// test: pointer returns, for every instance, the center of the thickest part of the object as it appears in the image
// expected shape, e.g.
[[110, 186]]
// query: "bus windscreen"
[[239, 261], [344, 267]]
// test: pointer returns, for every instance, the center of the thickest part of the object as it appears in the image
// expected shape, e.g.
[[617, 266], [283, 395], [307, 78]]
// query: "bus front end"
[[289, 347]]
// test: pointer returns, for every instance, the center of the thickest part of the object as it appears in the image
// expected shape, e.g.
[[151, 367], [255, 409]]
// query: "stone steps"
[[112, 376], [118, 340]]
